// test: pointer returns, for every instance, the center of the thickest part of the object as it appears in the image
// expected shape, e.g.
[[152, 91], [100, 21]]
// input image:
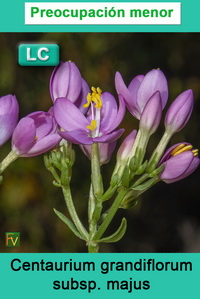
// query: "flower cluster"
[[83, 117]]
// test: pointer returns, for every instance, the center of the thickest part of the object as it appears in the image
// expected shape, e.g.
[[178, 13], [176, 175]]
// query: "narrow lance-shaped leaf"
[[117, 235], [69, 223], [146, 185]]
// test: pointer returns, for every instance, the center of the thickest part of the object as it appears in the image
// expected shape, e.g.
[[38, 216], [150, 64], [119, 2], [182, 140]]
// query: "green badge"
[[38, 54], [12, 239]]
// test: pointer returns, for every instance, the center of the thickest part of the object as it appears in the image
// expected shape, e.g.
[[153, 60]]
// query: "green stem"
[[11, 157], [141, 180], [96, 191], [96, 172], [93, 247], [158, 152], [73, 213], [111, 214]]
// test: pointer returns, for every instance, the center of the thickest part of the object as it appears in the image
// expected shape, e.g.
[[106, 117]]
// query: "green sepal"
[[47, 162], [118, 235], [69, 223], [1, 179], [157, 171], [133, 164], [142, 168], [152, 163], [56, 159], [114, 180], [126, 177], [129, 204], [146, 185], [108, 194], [97, 211]]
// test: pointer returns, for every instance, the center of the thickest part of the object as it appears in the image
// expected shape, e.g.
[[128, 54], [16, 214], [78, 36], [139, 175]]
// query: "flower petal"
[[9, 111], [126, 146], [24, 136], [65, 81], [180, 111], [68, 116], [43, 145], [120, 115], [109, 137], [76, 137], [153, 81], [82, 97], [105, 151], [167, 153], [133, 89], [44, 123], [129, 94], [122, 89], [108, 111], [176, 166], [151, 115]]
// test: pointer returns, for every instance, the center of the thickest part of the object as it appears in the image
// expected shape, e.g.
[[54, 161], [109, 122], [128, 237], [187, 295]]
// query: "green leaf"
[[69, 223], [117, 235], [145, 185]]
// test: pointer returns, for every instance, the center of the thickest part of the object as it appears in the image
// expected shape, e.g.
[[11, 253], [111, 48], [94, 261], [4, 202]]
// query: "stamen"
[[177, 148], [95, 97], [181, 149], [89, 100], [36, 138], [92, 125], [195, 152]]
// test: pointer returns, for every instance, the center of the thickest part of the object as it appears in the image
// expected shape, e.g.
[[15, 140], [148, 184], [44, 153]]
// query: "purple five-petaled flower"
[[35, 134], [99, 125], [9, 111], [180, 161], [141, 89]]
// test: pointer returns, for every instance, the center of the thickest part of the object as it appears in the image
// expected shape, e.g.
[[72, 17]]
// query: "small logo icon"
[[12, 239]]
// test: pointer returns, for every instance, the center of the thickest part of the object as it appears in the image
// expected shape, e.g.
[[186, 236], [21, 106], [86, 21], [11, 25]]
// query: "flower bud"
[[179, 112], [151, 114], [180, 161], [65, 82], [126, 147], [9, 111]]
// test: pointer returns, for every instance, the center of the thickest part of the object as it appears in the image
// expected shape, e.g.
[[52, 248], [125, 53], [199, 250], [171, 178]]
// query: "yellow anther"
[[94, 96], [178, 150], [36, 137], [89, 100], [195, 152], [180, 146], [92, 125]]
